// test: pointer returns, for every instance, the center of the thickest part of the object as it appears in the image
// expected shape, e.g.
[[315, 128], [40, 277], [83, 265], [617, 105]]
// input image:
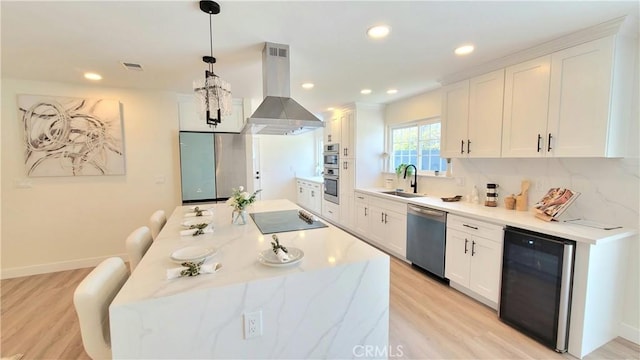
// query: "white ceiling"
[[60, 40]]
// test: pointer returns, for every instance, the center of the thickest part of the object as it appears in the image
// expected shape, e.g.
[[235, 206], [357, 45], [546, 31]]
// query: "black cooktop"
[[283, 221]]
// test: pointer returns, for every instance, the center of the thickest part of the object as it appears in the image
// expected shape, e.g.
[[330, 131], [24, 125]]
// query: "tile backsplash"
[[610, 191]]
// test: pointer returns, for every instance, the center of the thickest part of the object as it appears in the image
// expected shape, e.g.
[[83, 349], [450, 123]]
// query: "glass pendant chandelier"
[[213, 95]]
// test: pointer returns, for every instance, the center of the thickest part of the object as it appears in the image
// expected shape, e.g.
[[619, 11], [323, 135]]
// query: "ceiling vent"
[[132, 66]]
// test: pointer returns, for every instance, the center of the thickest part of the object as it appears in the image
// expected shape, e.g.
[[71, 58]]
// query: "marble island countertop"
[[520, 219], [237, 248], [335, 299]]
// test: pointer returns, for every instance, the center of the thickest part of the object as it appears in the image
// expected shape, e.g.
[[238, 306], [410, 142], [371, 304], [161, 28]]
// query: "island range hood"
[[279, 114]]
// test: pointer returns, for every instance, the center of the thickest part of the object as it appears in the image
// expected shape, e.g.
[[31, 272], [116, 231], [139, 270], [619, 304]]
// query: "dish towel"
[[192, 232], [194, 269], [193, 214]]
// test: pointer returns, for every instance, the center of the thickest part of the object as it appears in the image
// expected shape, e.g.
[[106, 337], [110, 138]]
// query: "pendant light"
[[213, 94]]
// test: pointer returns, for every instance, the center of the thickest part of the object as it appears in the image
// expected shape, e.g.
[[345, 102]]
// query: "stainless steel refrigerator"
[[211, 164]]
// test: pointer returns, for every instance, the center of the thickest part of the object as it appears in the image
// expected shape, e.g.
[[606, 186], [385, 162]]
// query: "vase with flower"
[[239, 200]]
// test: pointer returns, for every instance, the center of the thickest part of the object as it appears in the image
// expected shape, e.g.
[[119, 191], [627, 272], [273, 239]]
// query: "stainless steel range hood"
[[279, 114]]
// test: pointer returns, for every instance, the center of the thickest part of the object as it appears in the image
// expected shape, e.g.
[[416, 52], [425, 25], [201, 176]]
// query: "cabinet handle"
[[385, 218], [473, 248], [300, 190], [346, 151], [461, 146], [549, 143], [468, 146], [381, 217], [365, 211], [361, 197], [470, 227], [313, 194], [465, 245], [344, 165], [329, 138], [539, 139]]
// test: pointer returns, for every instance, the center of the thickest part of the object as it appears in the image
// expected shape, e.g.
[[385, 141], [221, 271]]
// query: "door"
[[457, 257], [526, 108], [455, 116], [231, 163], [486, 95], [579, 104], [255, 168], [396, 232], [484, 277], [362, 215], [197, 166]]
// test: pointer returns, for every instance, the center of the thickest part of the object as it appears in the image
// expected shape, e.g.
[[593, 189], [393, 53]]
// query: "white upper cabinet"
[[485, 114], [347, 133], [332, 129], [526, 107], [472, 116], [191, 121], [455, 115], [572, 103], [582, 114]]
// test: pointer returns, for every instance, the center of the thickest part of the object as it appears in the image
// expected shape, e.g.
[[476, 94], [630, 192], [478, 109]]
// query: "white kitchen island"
[[333, 304]]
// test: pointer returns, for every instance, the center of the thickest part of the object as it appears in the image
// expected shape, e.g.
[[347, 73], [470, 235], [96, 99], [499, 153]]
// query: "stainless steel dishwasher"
[[426, 238]]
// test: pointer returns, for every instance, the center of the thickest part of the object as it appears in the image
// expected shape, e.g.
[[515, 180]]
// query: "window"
[[417, 144]]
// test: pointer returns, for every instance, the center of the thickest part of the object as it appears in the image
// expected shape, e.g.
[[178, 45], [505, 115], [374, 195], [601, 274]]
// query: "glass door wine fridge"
[[537, 274]]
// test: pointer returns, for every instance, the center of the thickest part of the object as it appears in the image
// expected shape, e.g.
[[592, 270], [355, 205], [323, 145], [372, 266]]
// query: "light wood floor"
[[428, 320]]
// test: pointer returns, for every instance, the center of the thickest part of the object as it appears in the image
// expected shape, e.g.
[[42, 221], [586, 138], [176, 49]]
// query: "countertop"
[[334, 300], [315, 179], [237, 249], [504, 217]]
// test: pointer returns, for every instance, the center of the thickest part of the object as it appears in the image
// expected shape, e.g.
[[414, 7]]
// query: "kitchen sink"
[[402, 194]]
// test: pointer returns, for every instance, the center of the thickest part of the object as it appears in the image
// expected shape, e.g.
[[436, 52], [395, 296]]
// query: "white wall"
[[282, 158], [68, 222], [610, 187]]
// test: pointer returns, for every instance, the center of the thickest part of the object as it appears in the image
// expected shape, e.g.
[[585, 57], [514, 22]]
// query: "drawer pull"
[[470, 227]]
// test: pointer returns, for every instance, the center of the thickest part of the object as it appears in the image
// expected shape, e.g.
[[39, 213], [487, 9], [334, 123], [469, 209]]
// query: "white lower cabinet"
[[309, 195], [382, 222], [330, 211], [473, 259], [362, 214]]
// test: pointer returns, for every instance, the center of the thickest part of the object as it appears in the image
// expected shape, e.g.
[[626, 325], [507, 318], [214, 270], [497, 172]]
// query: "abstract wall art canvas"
[[67, 136]]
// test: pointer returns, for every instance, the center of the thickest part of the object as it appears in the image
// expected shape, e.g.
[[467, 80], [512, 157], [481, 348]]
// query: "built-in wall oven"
[[331, 155], [331, 184], [331, 175]]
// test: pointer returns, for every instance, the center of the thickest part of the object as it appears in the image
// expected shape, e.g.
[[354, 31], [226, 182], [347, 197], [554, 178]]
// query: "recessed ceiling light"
[[330, 109], [365, 91], [92, 76], [464, 50], [378, 31], [392, 91], [308, 85]]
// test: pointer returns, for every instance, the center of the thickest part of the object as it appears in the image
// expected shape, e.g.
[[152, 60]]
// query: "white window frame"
[[417, 124]]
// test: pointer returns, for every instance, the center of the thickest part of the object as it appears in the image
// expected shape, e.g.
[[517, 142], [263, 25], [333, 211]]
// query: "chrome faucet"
[[414, 183]]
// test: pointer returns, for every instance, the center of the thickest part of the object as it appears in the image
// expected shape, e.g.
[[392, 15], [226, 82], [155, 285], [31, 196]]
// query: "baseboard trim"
[[54, 267], [630, 333]]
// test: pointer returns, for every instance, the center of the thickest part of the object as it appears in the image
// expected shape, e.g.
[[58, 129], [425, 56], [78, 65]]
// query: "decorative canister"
[[492, 196]]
